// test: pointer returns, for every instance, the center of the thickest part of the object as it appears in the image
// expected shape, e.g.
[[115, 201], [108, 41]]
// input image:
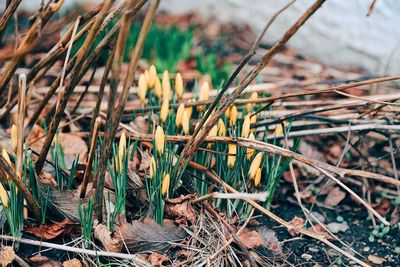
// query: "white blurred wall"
[[339, 34]]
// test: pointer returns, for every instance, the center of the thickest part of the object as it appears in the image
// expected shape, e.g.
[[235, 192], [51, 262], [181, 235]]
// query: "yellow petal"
[[179, 115], [255, 164], [213, 132], [204, 94], [178, 86], [166, 86], [185, 123], [5, 156], [257, 178], [246, 126], [3, 196], [164, 110], [153, 167], [157, 88], [250, 151], [221, 128], [233, 114], [253, 119], [14, 137], [121, 151], [160, 139], [152, 76], [142, 88], [165, 184], [231, 156], [190, 109]]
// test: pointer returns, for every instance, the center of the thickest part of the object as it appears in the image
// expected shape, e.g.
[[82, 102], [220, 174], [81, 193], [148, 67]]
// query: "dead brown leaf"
[[297, 222], [103, 234], [156, 259], [147, 235], [181, 208], [72, 263], [43, 261], [53, 230], [251, 239], [7, 256], [334, 197], [375, 259]]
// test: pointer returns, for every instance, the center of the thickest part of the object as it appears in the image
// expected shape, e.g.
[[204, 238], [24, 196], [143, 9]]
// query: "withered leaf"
[[103, 234], [334, 197], [72, 263], [147, 235], [41, 261], [157, 259], [7, 256], [181, 208], [53, 230]]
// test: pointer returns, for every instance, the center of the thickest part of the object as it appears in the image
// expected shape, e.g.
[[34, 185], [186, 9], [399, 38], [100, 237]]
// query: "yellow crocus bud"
[[227, 112], [250, 151], [232, 155], [204, 94], [178, 86], [213, 132], [160, 139], [249, 106], [221, 128], [121, 151], [190, 109], [166, 86], [152, 76], [5, 156], [233, 114], [253, 119], [257, 178], [164, 110], [147, 77], [185, 122], [246, 126], [3, 196], [14, 137], [153, 167], [279, 129], [157, 88], [142, 88], [179, 115], [255, 164], [25, 209], [165, 184]]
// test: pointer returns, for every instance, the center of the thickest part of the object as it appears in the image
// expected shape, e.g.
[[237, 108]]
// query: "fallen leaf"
[[334, 197], [375, 259], [53, 230], [156, 259], [297, 222], [318, 229], [103, 234], [251, 239], [43, 261], [7, 256], [262, 236], [72, 263], [181, 208], [147, 235]]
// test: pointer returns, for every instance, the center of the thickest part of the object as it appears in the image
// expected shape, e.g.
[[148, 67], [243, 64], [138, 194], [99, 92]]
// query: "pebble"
[[366, 249], [313, 249]]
